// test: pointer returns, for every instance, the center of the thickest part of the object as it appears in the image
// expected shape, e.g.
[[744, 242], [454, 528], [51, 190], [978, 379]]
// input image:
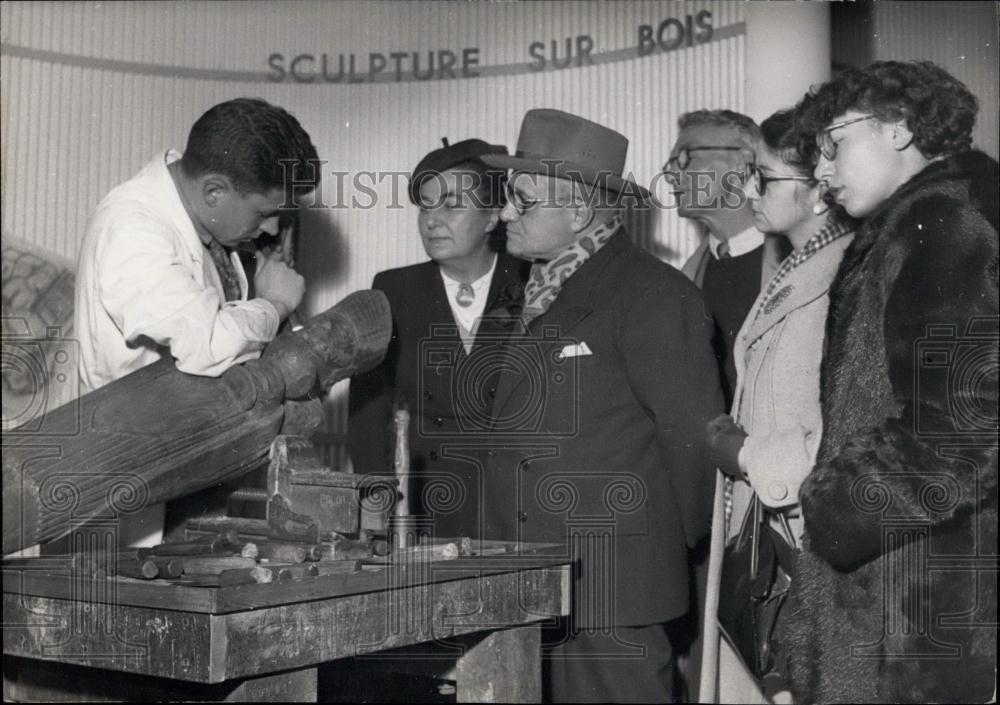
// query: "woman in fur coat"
[[895, 597]]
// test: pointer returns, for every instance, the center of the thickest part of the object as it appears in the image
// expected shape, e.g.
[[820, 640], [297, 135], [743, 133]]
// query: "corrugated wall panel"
[[73, 126], [960, 36]]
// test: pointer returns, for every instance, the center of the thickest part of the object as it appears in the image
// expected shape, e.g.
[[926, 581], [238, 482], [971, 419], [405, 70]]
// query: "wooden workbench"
[[69, 637]]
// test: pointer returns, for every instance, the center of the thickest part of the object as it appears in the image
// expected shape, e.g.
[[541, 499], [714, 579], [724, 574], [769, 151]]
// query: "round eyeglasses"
[[824, 140], [760, 182], [682, 159], [521, 204]]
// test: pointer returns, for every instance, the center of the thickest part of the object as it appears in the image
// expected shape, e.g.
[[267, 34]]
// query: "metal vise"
[[306, 501]]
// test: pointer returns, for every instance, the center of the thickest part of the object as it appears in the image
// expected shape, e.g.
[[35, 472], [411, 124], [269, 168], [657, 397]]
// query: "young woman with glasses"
[[769, 444], [895, 596]]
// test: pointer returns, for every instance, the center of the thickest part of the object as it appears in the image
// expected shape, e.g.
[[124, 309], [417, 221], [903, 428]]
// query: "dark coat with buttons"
[[446, 391], [895, 599], [599, 424]]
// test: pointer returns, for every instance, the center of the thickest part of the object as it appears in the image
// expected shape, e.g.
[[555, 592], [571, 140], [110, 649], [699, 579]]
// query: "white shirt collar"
[[480, 285], [746, 241], [468, 317]]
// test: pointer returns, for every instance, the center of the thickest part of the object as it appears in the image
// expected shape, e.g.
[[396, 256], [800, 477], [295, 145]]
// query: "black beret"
[[448, 156]]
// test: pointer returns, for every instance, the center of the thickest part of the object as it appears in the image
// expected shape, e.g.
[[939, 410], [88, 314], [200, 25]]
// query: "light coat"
[[778, 355]]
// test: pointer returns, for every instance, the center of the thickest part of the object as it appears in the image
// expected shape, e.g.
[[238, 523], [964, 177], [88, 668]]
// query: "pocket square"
[[579, 350]]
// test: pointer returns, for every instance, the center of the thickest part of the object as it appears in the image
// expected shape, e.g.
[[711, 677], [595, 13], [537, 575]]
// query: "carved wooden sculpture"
[[159, 434]]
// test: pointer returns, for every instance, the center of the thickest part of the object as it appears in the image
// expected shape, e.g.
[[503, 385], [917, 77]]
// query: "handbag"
[[758, 566]]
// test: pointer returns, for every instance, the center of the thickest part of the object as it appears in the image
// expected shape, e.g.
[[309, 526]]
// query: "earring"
[[820, 208]]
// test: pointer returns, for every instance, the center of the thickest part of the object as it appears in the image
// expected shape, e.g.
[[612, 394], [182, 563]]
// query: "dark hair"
[[247, 140], [722, 118], [781, 134], [938, 108], [488, 183]]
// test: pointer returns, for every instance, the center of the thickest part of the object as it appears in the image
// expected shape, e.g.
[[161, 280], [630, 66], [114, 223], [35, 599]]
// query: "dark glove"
[[725, 438]]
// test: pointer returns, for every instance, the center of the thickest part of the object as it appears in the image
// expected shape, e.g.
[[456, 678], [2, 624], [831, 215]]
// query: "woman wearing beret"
[[778, 352], [895, 594], [444, 335]]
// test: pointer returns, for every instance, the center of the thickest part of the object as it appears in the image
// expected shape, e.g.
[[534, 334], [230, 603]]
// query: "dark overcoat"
[[896, 594], [599, 427], [446, 390]]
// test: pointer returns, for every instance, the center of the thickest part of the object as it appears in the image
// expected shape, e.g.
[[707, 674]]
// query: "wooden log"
[[247, 576], [281, 552], [437, 552], [169, 567], [337, 567], [213, 565], [401, 511], [159, 434], [297, 572], [464, 543], [146, 570], [224, 543], [345, 549], [245, 528]]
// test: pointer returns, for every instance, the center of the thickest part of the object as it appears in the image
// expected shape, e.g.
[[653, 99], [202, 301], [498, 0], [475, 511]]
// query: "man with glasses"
[[707, 168], [599, 413]]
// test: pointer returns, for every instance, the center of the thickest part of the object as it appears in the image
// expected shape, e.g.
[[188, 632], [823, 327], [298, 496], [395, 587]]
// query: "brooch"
[[778, 297]]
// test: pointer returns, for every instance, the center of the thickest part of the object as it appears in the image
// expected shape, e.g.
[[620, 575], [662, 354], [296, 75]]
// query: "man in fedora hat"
[[599, 412]]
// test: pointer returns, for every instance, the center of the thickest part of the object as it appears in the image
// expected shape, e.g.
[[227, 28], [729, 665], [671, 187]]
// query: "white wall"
[[91, 91]]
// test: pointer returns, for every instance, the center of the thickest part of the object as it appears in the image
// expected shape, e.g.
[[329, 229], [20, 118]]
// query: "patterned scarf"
[[227, 272], [547, 278]]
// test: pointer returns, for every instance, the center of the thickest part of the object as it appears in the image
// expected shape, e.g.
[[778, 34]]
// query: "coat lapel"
[[694, 268], [507, 284], [425, 299], [806, 283], [775, 251], [574, 304]]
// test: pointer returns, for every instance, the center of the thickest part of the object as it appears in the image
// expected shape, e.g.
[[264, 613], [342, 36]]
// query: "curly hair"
[[938, 109], [722, 118], [252, 143]]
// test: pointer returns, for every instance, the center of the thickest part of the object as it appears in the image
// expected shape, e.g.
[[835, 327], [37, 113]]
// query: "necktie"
[[227, 273], [465, 295], [722, 251]]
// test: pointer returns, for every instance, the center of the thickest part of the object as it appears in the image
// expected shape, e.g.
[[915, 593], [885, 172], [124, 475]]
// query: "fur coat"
[[896, 594]]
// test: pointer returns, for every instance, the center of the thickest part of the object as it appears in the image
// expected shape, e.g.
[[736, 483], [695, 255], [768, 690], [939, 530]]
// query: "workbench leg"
[[290, 687], [503, 667]]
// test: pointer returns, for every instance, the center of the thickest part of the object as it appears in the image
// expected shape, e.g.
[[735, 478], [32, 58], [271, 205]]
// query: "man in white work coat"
[[157, 273]]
